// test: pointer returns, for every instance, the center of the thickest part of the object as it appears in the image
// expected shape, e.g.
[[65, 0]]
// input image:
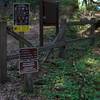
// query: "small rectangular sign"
[[50, 12], [28, 60], [21, 17], [21, 28]]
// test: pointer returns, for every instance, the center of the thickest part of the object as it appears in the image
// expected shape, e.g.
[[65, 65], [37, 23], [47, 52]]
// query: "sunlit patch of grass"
[[92, 61], [59, 81]]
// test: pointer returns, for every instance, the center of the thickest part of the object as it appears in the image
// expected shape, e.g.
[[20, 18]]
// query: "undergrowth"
[[71, 81]]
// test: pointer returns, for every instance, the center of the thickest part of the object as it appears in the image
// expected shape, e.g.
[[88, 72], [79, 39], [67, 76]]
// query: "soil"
[[12, 90]]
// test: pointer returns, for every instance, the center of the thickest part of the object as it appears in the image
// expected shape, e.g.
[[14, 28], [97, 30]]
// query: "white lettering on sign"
[[28, 60]]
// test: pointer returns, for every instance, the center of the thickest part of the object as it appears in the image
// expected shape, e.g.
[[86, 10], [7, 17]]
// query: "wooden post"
[[41, 24], [62, 49], [21, 45], [28, 82], [3, 46], [92, 32], [57, 15]]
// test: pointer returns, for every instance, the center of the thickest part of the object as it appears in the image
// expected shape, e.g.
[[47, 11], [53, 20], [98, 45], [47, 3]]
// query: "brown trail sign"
[[28, 60], [50, 12], [49, 16]]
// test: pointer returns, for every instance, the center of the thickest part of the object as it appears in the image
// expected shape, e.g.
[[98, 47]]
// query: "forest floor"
[[12, 90]]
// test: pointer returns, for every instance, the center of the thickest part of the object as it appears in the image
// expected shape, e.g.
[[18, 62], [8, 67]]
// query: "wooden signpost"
[[28, 66], [49, 16], [21, 25]]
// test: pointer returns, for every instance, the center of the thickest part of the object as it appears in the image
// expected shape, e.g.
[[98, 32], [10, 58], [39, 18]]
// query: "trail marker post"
[[28, 66], [21, 25]]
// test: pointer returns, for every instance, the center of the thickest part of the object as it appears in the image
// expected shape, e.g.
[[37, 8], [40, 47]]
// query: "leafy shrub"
[[72, 82]]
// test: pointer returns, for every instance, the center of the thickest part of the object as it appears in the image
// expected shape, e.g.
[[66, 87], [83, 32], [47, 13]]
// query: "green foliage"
[[72, 32], [68, 2], [69, 81]]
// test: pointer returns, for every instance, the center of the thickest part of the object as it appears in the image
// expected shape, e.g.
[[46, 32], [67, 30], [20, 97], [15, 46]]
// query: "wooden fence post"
[[62, 49], [57, 15], [41, 39], [92, 33], [21, 44], [3, 46]]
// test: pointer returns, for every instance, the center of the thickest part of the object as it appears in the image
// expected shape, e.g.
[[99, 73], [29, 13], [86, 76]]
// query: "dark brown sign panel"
[[28, 60], [50, 12]]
